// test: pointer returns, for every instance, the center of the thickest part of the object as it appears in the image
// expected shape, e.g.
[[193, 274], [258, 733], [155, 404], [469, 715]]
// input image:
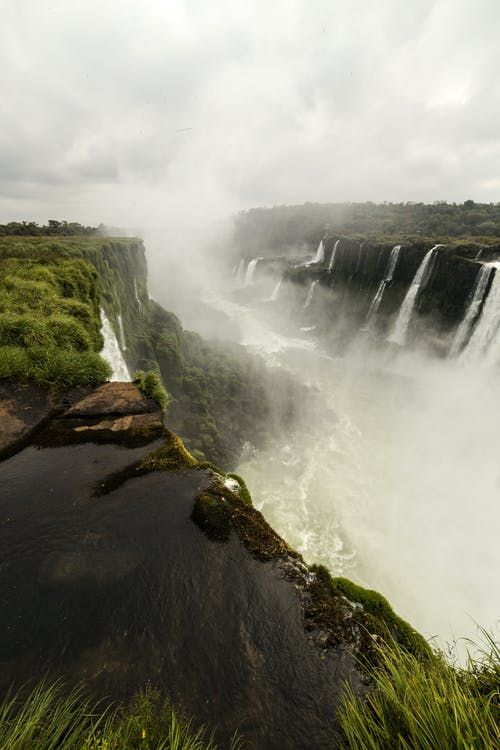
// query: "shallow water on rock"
[[122, 590]]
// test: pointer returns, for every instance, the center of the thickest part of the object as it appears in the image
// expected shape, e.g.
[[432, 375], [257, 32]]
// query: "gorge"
[[353, 387]]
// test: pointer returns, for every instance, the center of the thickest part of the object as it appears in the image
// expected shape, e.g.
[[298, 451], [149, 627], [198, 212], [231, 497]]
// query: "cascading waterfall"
[[251, 271], [389, 273], [310, 293], [332, 257], [276, 290], [360, 255], [398, 336], [320, 253], [122, 334], [111, 351], [473, 309], [240, 273], [318, 258], [484, 344], [139, 304]]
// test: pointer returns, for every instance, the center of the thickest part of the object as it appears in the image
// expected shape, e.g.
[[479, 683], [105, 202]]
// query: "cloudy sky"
[[141, 111]]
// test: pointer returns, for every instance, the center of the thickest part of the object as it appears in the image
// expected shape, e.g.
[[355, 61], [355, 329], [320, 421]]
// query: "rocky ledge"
[[125, 563]]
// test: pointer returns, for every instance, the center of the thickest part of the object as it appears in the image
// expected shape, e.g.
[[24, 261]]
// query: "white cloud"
[[285, 102]]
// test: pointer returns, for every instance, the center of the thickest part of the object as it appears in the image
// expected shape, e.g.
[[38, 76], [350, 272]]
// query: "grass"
[[417, 705], [50, 323], [151, 385], [47, 718], [51, 367]]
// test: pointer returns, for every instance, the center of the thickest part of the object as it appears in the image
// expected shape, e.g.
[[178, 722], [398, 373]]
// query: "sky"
[[141, 113]]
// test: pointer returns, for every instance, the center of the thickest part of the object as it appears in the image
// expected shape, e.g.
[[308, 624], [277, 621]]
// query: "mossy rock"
[[377, 619], [243, 492], [217, 510], [171, 456]]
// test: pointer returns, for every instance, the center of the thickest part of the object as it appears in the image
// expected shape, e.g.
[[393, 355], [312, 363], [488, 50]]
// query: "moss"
[[325, 610], [150, 384], [212, 467], [377, 606], [217, 509], [171, 456], [377, 621], [243, 491], [210, 514]]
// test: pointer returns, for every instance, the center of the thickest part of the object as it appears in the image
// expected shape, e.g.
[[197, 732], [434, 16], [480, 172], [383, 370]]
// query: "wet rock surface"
[[123, 590], [22, 409]]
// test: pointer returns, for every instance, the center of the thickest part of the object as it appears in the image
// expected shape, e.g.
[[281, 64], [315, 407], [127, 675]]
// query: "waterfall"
[[123, 345], [139, 305], [320, 253], [360, 255], [485, 339], [251, 271], [398, 336], [389, 273], [332, 257], [276, 290], [318, 258], [240, 273], [473, 309], [111, 351], [310, 293]]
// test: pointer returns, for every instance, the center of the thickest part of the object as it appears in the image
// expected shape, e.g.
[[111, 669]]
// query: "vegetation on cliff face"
[[426, 706], [277, 230], [49, 322]]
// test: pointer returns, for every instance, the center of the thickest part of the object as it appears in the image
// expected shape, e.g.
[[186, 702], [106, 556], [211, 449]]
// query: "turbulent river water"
[[395, 480]]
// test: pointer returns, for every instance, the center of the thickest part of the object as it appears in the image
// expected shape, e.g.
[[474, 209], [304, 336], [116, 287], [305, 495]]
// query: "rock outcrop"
[[107, 580]]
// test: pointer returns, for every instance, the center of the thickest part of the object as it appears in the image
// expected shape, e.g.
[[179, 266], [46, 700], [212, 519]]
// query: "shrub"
[[151, 385]]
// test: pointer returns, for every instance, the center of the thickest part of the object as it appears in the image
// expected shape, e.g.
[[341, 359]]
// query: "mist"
[[168, 118], [391, 477]]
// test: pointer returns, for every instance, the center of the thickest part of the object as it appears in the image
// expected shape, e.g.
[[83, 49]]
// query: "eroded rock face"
[[113, 584], [113, 398], [22, 408]]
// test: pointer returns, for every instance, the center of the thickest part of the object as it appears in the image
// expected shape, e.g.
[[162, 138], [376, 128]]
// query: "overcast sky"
[[136, 112]]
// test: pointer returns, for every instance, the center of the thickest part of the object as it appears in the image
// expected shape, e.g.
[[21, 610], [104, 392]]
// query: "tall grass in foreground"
[[48, 719], [416, 706]]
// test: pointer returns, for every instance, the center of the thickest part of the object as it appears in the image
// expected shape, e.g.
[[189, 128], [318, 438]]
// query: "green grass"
[[52, 368], [150, 384], [50, 323], [417, 705], [47, 719]]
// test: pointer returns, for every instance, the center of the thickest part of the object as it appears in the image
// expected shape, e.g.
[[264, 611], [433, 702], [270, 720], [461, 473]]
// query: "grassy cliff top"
[[50, 292]]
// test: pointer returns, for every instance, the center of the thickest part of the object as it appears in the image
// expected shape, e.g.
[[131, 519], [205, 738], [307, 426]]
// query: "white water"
[[484, 344], [240, 273], [472, 312], [111, 351], [276, 290], [139, 304], [251, 271], [398, 336], [393, 479], [389, 273], [319, 257], [310, 293], [332, 257], [320, 253], [123, 345]]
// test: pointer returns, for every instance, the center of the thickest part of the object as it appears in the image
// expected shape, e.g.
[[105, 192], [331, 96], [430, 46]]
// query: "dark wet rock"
[[23, 408], [120, 589], [113, 398]]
